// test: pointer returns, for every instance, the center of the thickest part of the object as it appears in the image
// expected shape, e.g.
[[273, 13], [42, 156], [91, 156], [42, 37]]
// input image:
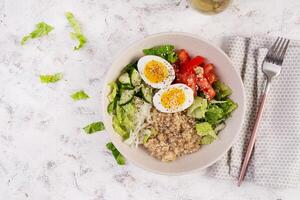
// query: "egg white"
[[189, 98], [171, 73]]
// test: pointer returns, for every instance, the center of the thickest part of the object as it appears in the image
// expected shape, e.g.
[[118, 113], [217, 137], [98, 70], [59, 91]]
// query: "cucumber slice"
[[126, 96], [119, 113], [147, 93], [111, 107], [125, 79], [125, 86], [135, 78]]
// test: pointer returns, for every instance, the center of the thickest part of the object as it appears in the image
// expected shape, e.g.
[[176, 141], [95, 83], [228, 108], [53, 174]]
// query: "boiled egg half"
[[174, 98], [156, 71]]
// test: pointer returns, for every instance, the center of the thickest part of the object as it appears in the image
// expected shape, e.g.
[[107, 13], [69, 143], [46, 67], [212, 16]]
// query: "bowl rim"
[[243, 106]]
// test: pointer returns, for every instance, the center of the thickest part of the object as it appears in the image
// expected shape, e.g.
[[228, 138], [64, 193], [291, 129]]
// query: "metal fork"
[[271, 67]]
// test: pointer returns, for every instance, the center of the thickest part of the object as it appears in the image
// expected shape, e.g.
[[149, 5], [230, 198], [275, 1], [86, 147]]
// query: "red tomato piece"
[[211, 77], [183, 56], [209, 73], [206, 88], [208, 68], [189, 67], [203, 84], [192, 83], [210, 93], [188, 79]]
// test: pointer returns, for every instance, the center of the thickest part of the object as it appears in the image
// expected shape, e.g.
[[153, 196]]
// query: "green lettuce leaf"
[[204, 128], [118, 127], [79, 95], [198, 108], [222, 90], [214, 114], [228, 106], [207, 133], [117, 155], [41, 29], [126, 116], [94, 127], [208, 139], [111, 107], [114, 90], [51, 78], [219, 111], [77, 34], [165, 51]]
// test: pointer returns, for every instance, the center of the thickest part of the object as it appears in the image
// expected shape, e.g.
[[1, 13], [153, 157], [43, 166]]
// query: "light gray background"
[[43, 152]]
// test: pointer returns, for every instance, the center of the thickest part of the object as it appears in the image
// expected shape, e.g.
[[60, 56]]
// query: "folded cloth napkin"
[[275, 160]]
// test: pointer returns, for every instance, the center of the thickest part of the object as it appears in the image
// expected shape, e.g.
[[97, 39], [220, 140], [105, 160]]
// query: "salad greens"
[[94, 127], [165, 51], [228, 106], [79, 95], [126, 104], [211, 115], [214, 114], [117, 155], [77, 34], [207, 133], [198, 108], [41, 29], [222, 90], [51, 78]]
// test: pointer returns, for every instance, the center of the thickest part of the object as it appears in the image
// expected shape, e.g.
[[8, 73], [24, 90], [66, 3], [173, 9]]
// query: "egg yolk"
[[156, 71], [173, 98]]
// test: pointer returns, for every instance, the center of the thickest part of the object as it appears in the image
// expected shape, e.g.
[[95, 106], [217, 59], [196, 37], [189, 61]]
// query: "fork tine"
[[283, 51], [271, 50], [277, 47], [281, 48]]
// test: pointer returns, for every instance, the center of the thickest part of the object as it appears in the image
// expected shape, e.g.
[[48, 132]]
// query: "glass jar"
[[210, 6]]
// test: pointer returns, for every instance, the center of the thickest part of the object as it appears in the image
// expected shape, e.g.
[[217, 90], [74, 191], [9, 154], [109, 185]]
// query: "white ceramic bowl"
[[208, 154]]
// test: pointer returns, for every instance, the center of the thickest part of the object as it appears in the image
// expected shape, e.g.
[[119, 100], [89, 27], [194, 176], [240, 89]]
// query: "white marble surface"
[[43, 152]]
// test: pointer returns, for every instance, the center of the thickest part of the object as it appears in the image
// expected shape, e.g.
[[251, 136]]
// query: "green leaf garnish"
[[79, 95], [77, 34], [165, 51], [114, 90], [117, 155], [51, 78], [94, 127], [219, 111], [207, 133], [222, 90], [41, 29], [214, 114], [208, 139], [228, 107], [198, 108]]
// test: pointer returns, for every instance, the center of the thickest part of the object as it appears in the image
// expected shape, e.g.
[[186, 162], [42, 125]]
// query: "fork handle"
[[254, 134]]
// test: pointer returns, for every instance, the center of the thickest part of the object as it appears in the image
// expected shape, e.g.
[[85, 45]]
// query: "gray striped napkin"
[[276, 158]]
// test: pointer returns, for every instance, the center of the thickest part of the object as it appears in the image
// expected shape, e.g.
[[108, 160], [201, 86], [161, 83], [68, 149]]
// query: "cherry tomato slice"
[[209, 73], [188, 79], [189, 67], [208, 68], [206, 88], [211, 77], [183, 56]]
